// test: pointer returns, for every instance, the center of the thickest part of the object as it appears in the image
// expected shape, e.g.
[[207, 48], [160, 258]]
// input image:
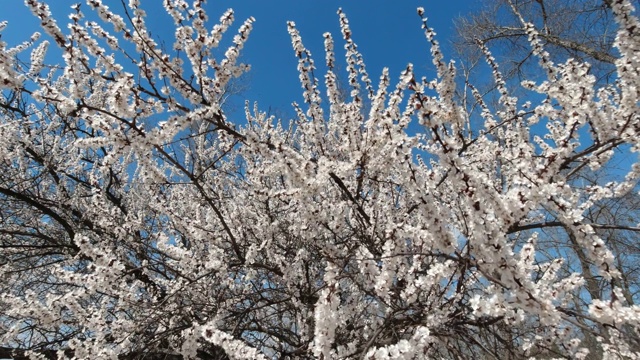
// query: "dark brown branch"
[[346, 191]]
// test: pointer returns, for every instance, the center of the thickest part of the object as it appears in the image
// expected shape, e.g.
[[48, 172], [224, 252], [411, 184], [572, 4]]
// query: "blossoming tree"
[[137, 221]]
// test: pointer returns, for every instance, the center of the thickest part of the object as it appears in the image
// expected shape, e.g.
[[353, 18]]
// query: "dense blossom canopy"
[[138, 221]]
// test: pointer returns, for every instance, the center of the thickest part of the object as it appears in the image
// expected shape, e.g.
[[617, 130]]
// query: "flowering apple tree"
[[138, 221]]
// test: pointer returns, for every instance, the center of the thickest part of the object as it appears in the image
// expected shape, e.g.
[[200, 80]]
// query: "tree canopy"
[[138, 221]]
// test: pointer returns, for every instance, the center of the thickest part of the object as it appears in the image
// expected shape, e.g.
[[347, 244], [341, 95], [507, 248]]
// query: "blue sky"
[[388, 34]]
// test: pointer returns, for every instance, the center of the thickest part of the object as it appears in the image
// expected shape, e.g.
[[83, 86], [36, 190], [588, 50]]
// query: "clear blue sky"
[[388, 34]]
